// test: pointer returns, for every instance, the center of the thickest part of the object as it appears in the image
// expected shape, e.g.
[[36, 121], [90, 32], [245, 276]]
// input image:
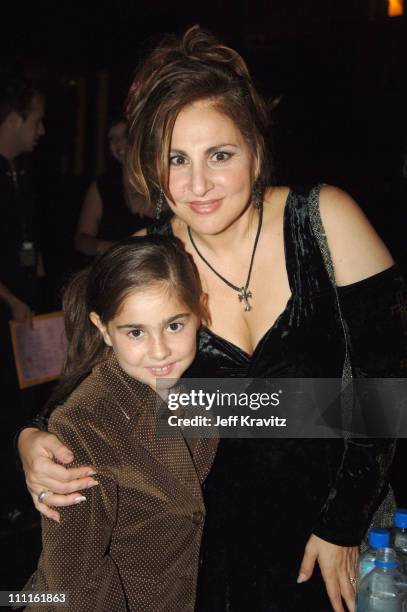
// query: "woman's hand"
[[38, 451], [338, 566]]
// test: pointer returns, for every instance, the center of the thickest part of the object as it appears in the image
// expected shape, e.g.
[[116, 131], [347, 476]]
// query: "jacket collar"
[[121, 387], [137, 401]]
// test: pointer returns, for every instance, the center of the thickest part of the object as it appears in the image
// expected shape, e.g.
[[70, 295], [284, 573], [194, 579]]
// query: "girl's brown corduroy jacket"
[[134, 543]]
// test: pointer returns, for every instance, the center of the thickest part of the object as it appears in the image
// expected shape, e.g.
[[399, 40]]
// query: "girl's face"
[[210, 169], [117, 138], [153, 336]]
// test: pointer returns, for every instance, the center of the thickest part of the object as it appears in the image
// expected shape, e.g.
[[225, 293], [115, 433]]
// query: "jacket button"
[[198, 517]]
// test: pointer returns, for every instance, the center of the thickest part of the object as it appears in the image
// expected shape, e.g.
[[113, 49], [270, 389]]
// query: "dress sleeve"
[[75, 557], [375, 313]]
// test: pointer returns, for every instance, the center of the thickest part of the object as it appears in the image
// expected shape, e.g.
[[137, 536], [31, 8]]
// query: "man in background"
[[21, 127]]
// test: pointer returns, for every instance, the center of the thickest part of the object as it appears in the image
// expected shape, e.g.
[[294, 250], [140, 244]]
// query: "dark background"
[[334, 73]]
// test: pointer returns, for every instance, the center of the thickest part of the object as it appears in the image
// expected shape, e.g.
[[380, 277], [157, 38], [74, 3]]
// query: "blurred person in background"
[[21, 127], [111, 210]]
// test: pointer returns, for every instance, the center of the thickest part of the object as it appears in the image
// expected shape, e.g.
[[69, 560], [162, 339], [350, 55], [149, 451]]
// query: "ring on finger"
[[41, 496], [352, 580]]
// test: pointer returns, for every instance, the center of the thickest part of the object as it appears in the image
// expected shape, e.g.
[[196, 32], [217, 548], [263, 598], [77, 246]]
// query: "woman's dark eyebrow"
[[219, 146], [182, 315], [207, 152]]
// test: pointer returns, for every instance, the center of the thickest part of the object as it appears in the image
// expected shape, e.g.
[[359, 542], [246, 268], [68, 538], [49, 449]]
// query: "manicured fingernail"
[[301, 578], [92, 483], [79, 499], [68, 457], [90, 473]]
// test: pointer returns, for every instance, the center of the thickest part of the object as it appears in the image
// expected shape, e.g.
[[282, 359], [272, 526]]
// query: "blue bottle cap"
[[400, 518], [378, 538]]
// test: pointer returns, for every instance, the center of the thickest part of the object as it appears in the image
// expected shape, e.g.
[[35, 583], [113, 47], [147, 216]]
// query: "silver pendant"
[[244, 296]]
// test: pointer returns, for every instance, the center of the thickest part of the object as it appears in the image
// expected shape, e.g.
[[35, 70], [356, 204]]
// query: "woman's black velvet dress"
[[264, 497]]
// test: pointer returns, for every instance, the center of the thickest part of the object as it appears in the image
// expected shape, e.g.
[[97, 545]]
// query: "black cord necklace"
[[243, 292]]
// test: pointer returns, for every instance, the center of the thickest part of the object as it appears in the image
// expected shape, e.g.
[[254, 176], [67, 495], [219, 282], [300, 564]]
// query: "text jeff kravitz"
[[230, 421]]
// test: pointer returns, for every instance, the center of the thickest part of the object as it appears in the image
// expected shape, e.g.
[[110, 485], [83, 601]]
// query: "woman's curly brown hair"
[[176, 74]]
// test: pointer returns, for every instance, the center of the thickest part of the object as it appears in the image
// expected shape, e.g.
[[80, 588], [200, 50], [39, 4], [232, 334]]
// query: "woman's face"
[[117, 138], [210, 169]]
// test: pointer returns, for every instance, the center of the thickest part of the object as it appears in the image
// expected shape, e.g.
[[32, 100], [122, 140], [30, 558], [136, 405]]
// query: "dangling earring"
[[257, 194], [159, 204]]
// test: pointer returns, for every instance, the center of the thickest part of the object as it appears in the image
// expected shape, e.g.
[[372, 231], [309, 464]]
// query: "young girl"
[[132, 542]]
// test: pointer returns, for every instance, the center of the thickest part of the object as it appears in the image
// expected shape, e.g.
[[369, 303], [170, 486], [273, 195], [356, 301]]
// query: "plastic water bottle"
[[400, 537], [384, 589], [378, 538]]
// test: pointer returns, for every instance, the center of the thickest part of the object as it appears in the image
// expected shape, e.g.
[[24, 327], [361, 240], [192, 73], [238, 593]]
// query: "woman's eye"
[[175, 327], [221, 156], [177, 160], [136, 333]]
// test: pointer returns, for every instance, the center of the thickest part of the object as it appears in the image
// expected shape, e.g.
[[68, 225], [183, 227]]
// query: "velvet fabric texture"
[[264, 498]]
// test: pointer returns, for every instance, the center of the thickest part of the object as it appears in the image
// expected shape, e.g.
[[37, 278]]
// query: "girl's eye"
[[175, 327], [177, 160], [221, 156], [136, 333]]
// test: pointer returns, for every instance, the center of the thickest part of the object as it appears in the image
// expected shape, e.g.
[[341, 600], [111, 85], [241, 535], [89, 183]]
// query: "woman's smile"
[[205, 207]]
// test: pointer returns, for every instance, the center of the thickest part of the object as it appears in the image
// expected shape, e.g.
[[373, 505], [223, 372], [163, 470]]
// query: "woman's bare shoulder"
[[357, 250]]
